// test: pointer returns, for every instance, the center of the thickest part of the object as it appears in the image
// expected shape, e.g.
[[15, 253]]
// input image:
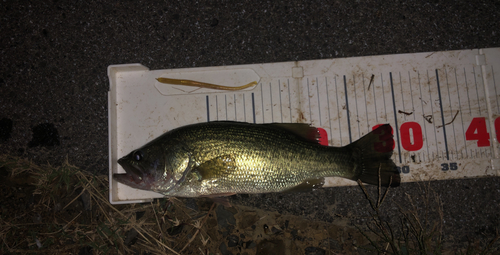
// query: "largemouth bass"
[[225, 158]]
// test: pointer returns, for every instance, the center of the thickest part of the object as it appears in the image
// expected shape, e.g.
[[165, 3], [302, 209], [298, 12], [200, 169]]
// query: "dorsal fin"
[[303, 130]]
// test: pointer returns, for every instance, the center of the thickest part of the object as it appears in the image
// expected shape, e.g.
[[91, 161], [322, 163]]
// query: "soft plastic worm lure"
[[203, 84]]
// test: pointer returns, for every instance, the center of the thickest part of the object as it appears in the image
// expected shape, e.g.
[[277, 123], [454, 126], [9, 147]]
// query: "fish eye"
[[137, 156]]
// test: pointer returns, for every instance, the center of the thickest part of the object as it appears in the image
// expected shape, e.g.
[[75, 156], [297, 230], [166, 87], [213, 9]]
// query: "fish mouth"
[[133, 176]]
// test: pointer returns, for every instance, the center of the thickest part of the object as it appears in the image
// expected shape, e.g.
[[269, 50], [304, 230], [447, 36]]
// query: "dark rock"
[[333, 244], [37, 218], [295, 235], [175, 230], [248, 220], [5, 129], [276, 230], [232, 240], [271, 247], [191, 203], [214, 22], [139, 215], [223, 249], [87, 250], [224, 217], [4, 172], [249, 244], [131, 237], [85, 199], [266, 227], [314, 251], [44, 135]]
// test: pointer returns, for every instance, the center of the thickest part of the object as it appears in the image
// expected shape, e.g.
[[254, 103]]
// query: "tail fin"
[[372, 153]]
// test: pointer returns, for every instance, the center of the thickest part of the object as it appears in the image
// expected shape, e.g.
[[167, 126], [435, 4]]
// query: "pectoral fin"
[[215, 168]]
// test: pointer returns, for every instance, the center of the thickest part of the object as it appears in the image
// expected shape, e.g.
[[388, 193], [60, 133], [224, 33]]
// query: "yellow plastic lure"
[[203, 84]]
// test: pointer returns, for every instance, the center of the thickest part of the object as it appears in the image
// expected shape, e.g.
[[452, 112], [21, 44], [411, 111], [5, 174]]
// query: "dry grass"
[[420, 227], [60, 210], [64, 210]]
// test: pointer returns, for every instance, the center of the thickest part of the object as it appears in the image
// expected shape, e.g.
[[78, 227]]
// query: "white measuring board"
[[444, 107]]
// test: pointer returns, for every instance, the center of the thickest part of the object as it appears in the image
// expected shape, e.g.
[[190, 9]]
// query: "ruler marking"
[[423, 116], [477, 91], [281, 104], [451, 110], [375, 101], [225, 104], [217, 107], [461, 116], [347, 109], [244, 109], [253, 107], [495, 86], [319, 102], [338, 111], [262, 101], [289, 100], [395, 117], [309, 98], [234, 103], [432, 112], [402, 96], [208, 110], [328, 101], [383, 96], [356, 103], [467, 89], [271, 107], [366, 105], [411, 96], [442, 116]]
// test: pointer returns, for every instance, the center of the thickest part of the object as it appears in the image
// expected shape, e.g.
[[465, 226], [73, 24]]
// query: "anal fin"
[[308, 185]]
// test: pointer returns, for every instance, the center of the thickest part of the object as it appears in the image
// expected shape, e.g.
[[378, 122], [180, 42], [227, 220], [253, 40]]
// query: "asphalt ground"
[[54, 55]]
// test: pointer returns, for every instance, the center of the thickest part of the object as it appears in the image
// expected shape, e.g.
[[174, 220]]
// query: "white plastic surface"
[[453, 98]]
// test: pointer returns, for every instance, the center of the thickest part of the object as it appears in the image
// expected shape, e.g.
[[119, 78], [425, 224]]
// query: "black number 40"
[[449, 166]]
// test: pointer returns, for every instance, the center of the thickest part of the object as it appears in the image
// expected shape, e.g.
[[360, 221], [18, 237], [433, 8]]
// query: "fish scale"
[[258, 164], [233, 157]]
